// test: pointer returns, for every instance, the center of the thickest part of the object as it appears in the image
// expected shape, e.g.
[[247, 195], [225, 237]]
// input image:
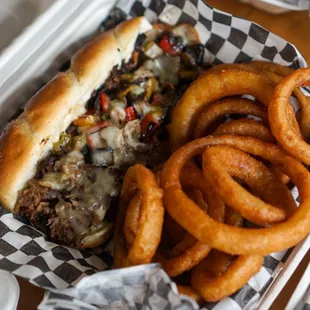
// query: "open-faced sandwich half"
[[62, 160]]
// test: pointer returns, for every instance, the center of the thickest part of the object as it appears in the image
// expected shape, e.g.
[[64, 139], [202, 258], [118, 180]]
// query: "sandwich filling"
[[75, 185]]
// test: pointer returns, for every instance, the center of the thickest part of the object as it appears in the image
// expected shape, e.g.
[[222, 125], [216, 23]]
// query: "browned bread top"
[[29, 138]]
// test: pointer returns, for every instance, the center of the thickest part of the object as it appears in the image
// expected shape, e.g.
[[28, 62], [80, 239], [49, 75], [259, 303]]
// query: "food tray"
[[29, 63], [16, 15]]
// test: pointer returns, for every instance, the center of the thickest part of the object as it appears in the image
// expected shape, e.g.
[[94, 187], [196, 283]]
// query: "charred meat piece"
[[62, 232], [36, 203], [140, 41], [46, 165], [193, 55]]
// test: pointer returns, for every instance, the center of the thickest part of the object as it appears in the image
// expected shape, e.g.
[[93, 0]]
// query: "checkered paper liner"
[[149, 287], [25, 252], [146, 286]]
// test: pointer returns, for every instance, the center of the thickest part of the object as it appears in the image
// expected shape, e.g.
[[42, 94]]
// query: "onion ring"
[[245, 127], [286, 134], [220, 163], [271, 67], [278, 73], [250, 67], [188, 291], [189, 252], [187, 242], [233, 218], [173, 233], [209, 88], [172, 230], [186, 260], [139, 179], [275, 73], [214, 288], [235, 240], [271, 70], [197, 196], [279, 174], [227, 106], [132, 219], [219, 262], [192, 178], [252, 128], [219, 275]]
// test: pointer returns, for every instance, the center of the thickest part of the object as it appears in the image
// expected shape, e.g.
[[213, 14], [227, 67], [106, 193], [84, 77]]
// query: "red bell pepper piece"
[[90, 111], [104, 102], [148, 125], [130, 113], [166, 46]]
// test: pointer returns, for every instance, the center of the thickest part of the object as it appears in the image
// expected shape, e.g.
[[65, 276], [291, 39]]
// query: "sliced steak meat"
[[36, 203], [112, 84], [62, 232], [46, 165]]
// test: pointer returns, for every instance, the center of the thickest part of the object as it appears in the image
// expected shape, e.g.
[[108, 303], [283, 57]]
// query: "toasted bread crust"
[[93, 62], [29, 138]]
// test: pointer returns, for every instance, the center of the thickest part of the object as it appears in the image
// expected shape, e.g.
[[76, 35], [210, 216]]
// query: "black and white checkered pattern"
[[141, 287], [227, 38], [149, 287], [25, 252]]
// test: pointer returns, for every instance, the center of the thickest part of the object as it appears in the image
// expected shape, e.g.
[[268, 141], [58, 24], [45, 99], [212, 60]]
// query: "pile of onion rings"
[[222, 200]]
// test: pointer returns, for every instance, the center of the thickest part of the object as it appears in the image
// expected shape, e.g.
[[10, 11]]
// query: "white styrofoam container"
[[35, 52], [274, 6], [15, 15]]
